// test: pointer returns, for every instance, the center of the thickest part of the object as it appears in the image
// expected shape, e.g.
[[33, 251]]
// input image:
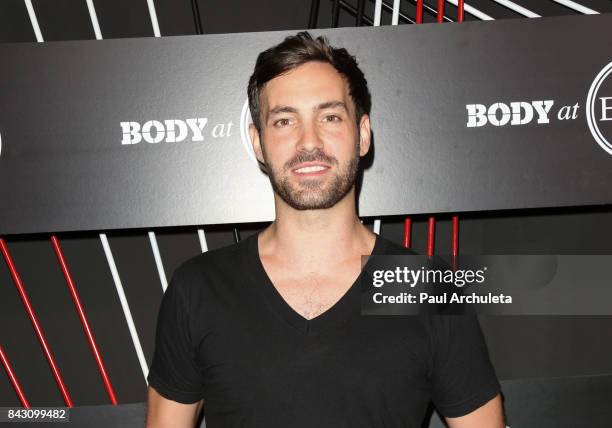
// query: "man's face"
[[310, 141]]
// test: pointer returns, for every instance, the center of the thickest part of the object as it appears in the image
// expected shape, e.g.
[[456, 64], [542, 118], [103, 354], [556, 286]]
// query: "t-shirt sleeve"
[[463, 378], [174, 372]]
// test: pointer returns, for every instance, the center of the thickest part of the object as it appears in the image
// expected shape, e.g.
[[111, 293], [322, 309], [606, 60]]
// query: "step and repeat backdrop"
[[147, 132]]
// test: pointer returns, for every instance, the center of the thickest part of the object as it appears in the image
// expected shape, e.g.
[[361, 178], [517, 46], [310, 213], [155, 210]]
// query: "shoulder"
[[210, 267], [218, 258]]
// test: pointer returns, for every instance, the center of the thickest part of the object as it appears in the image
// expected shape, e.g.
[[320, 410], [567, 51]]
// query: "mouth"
[[311, 169]]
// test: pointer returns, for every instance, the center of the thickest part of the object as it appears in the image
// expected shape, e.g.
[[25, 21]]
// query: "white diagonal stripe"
[[153, 15], [472, 11], [517, 8], [396, 11], [33, 20], [377, 12], [376, 228], [124, 305], [577, 7], [94, 19], [158, 261], [203, 243]]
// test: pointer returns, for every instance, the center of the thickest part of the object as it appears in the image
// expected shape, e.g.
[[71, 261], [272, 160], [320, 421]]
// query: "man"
[[268, 332]]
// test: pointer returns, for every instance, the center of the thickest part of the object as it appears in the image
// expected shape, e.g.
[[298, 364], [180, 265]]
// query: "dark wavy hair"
[[300, 49]]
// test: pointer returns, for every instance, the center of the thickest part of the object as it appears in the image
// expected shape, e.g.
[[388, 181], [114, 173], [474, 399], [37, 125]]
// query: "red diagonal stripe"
[[13, 378], [35, 323], [79, 307]]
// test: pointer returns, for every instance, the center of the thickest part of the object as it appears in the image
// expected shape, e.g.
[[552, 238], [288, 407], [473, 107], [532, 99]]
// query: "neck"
[[317, 237]]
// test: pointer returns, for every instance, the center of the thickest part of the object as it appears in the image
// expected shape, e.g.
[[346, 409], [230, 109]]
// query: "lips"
[[311, 168]]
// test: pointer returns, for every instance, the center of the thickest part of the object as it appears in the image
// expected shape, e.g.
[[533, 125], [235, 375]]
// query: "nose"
[[309, 140]]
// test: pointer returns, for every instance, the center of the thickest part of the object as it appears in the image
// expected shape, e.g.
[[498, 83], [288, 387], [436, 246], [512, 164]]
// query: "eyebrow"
[[322, 106]]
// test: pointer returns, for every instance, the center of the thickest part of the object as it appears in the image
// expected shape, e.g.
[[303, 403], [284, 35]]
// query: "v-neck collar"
[[347, 305]]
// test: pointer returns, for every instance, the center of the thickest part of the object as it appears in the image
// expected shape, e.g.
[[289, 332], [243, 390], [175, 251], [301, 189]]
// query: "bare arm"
[[162, 413], [489, 415]]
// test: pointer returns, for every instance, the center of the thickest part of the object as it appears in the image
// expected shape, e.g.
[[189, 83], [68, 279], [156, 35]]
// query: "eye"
[[282, 122], [332, 118]]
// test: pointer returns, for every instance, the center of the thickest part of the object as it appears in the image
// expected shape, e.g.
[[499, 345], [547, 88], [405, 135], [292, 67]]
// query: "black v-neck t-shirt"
[[224, 334]]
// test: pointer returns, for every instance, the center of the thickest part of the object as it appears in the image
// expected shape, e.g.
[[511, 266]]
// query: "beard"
[[314, 193]]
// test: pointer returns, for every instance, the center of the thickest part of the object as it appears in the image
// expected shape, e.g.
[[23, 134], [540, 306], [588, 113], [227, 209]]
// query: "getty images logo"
[[598, 111]]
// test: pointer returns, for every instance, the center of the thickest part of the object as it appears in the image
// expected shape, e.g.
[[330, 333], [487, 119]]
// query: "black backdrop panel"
[[68, 110]]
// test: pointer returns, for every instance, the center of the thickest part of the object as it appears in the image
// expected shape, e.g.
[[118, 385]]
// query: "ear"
[[256, 141], [365, 135]]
